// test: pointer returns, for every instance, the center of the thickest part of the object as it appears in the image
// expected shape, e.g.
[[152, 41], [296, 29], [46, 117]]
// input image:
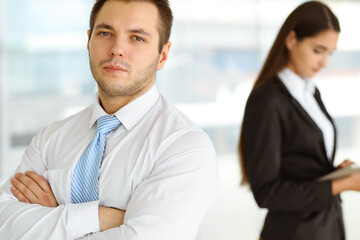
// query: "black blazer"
[[284, 152]]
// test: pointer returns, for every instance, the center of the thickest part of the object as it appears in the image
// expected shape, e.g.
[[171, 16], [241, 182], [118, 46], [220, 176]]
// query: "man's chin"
[[114, 92]]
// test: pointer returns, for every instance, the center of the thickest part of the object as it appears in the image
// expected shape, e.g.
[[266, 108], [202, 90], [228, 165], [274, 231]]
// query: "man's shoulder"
[[172, 115], [170, 124], [177, 133]]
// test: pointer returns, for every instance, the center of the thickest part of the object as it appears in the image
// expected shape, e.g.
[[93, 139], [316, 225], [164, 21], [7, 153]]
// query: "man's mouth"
[[114, 69]]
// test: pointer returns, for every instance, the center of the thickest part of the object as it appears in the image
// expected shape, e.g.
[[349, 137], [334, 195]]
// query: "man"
[[128, 167]]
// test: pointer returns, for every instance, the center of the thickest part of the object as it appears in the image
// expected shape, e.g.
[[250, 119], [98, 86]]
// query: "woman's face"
[[309, 55]]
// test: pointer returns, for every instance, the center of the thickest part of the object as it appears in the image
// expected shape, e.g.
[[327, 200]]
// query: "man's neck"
[[112, 104]]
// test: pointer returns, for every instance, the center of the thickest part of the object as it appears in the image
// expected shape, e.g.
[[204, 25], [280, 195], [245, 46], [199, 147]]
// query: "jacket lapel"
[[308, 119], [298, 107], [322, 107]]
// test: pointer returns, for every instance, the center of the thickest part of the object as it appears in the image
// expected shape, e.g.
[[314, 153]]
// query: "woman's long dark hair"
[[307, 20]]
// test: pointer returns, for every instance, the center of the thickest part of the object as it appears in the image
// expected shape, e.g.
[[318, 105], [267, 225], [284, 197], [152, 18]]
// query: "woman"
[[288, 138]]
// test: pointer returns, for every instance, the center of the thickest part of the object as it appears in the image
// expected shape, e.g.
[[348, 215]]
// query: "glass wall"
[[218, 48]]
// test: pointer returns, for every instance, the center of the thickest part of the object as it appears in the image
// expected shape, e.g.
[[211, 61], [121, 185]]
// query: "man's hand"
[[33, 188], [110, 217]]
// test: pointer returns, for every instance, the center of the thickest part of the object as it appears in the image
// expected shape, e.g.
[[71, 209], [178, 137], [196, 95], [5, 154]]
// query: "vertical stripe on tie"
[[84, 185]]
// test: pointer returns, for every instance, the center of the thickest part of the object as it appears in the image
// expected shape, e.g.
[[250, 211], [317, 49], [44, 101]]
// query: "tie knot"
[[107, 123]]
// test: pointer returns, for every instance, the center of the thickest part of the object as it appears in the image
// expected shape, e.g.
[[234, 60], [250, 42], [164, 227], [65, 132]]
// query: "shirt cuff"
[[83, 218]]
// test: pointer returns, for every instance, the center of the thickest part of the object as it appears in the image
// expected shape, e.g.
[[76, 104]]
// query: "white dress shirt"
[[303, 91], [158, 166]]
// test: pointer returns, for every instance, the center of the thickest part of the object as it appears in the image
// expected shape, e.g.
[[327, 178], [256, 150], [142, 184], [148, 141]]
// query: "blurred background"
[[218, 49]]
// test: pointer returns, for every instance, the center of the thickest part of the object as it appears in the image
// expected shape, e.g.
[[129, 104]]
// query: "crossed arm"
[[32, 188], [168, 204]]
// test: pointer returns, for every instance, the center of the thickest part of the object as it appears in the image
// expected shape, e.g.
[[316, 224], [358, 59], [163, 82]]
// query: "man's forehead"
[[129, 15], [129, 11]]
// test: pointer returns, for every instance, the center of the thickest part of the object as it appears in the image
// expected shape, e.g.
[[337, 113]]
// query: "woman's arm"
[[351, 182]]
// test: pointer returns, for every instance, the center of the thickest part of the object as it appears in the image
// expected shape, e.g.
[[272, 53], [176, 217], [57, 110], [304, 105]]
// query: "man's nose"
[[117, 49]]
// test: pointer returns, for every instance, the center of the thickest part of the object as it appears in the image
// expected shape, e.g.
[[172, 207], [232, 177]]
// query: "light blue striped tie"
[[84, 185]]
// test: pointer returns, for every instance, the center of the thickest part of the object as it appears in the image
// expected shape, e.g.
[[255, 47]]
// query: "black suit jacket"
[[284, 152]]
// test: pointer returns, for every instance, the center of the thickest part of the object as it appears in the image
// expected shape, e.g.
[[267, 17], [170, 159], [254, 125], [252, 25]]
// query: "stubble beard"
[[134, 85]]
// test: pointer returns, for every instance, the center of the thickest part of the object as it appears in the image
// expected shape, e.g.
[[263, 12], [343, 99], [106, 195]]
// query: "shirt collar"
[[130, 114], [296, 85]]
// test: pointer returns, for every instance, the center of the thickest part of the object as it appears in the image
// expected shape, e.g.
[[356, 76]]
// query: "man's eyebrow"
[[140, 31], [103, 25]]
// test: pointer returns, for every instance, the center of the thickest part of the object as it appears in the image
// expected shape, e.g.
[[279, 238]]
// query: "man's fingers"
[[33, 188], [19, 195], [23, 188], [40, 180]]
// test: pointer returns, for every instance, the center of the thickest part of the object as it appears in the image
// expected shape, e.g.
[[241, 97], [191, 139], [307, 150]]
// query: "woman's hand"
[[354, 182], [351, 182], [344, 164]]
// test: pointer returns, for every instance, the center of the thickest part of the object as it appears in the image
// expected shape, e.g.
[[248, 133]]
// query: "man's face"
[[123, 48]]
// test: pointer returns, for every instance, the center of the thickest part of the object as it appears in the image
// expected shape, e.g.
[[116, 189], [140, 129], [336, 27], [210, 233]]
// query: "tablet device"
[[341, 173]]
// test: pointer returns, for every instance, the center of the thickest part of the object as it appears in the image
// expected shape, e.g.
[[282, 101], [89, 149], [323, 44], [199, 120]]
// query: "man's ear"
[[291, 39], [164, 55], [88, 33]]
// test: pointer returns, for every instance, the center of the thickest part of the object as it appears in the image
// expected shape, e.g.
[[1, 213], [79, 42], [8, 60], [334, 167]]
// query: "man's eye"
[[317, 51], [139, 39], [105, 34]]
